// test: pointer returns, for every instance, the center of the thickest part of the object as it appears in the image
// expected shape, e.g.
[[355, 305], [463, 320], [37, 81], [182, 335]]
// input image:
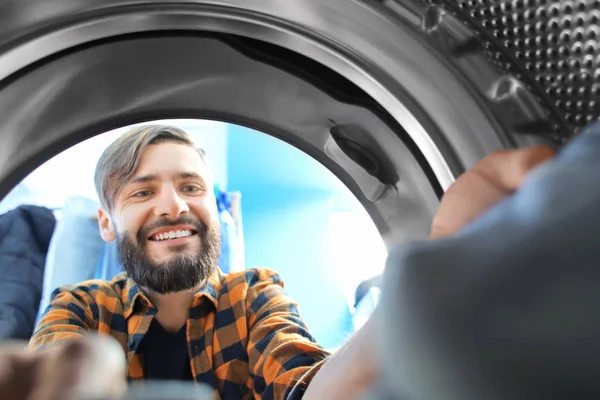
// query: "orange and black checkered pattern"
[[246, 337]]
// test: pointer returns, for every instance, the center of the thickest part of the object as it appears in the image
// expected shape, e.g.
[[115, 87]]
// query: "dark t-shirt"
[[165, 354]]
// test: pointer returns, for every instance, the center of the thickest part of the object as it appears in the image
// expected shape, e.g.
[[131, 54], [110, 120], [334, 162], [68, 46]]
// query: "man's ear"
[[106, 227]]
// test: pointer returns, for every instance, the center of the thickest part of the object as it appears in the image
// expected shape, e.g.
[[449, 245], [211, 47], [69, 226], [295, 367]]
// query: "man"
[[238, 333], [173, 311]]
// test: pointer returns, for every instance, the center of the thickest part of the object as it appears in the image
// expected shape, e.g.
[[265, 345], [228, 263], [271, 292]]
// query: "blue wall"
[[286, 200]]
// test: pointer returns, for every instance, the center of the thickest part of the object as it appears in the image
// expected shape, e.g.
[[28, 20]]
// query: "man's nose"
[[170, 204]]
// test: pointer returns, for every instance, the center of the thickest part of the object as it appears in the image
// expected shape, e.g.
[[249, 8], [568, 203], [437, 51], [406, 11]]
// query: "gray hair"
[[121, 159]]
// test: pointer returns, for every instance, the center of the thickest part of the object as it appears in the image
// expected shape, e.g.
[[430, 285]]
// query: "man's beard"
[[182, 271]]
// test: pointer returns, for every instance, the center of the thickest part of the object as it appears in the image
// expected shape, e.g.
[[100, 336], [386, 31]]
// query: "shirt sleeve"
[[283, 355], [69, 316]]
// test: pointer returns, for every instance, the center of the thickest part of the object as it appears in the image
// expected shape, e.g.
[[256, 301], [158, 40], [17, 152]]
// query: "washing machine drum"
[[396, 97]]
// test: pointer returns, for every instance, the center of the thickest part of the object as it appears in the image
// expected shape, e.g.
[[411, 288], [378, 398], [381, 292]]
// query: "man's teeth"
[[172, 235]]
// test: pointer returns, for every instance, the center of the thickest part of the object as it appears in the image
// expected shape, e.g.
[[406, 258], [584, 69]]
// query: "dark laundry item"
[[507, 307], [25, 234]]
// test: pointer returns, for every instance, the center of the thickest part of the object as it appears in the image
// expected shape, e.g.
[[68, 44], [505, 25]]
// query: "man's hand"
[[489, 181], [78, 369]]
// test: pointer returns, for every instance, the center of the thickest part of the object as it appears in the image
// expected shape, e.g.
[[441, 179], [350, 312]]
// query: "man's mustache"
[[165, 222]]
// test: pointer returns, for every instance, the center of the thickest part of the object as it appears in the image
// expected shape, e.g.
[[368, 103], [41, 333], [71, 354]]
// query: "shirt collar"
[[131, 294]]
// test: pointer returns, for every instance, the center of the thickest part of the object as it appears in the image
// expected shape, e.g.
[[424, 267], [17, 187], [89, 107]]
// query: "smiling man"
[[176, 315]]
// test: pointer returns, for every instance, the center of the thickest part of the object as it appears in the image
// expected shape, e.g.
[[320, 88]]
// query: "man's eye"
[[143, 193], [191, 188]]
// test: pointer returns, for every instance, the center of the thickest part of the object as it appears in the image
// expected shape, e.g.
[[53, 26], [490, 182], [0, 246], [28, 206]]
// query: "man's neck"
[[173, 308]]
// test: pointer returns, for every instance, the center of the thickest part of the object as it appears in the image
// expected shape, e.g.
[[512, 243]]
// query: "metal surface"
[[446, 103], [265, 20], [551, 49], [552, 46], [363, 43], [70, 70], [435, 72], [109, 85]]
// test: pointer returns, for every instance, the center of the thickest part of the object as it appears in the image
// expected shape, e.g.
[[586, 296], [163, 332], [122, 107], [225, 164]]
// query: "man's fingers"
[[507, 169], [59, 370], [104, 373], [531, 158], [88, 367], [16, 368], [91, 367], [489, 181]]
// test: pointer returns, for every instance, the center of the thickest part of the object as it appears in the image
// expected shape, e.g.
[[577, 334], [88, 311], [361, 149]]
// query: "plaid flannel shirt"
[[245, 336]]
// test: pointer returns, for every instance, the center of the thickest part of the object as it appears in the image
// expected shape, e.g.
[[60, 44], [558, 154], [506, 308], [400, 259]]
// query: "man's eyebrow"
[[152, 177], [188, 175], [143, 179]]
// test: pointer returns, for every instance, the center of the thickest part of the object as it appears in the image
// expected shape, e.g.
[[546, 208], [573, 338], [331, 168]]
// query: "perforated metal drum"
[[554, 46]]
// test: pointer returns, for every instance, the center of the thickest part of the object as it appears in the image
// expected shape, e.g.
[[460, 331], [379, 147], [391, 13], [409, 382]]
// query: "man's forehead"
[[171, 160]]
